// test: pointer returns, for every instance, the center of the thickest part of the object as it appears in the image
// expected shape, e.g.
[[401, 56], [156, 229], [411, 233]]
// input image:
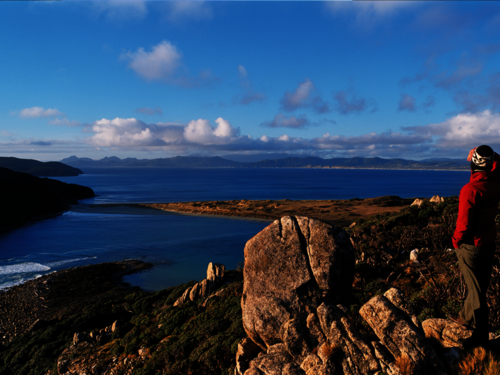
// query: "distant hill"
[[24, 197], [289, 162], [38, 168], [252, 158], [175, 162]]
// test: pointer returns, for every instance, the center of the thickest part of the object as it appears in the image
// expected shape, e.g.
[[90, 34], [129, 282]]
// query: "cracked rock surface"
[[297, 281], [291, 267]]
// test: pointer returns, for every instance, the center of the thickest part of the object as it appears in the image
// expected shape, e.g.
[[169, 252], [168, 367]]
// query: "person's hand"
[[471, 152]]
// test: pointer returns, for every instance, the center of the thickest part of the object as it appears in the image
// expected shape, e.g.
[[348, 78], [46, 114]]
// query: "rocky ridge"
[[298, 273]]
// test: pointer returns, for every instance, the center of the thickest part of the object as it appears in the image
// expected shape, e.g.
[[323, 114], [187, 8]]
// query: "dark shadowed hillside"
[[24, 197], [38, 168]]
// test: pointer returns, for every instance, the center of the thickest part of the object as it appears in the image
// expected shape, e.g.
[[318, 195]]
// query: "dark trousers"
[[476, 263]]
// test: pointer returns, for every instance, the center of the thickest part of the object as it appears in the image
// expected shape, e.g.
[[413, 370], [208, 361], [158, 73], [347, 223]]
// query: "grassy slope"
[[193, 339]]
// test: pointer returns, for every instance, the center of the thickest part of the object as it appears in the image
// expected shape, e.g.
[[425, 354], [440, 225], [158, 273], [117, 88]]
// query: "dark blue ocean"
[[181, 246]]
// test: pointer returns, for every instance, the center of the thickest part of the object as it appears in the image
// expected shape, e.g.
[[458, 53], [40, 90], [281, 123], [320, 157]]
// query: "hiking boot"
[[457, 319]]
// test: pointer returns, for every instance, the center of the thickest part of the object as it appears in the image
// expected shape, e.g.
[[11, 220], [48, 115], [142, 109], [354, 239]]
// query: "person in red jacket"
[[474, 239]]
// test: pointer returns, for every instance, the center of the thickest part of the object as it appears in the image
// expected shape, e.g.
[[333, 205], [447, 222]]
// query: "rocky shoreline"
[[37, 303], [311, 299]]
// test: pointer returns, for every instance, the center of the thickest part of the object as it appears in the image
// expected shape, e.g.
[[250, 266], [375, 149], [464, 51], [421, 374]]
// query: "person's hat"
[[482, 158]]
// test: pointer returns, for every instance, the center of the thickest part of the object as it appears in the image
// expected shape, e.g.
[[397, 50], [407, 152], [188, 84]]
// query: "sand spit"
[[337, 212]]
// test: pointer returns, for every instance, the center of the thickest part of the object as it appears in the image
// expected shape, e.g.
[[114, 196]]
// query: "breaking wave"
[[23, 268]]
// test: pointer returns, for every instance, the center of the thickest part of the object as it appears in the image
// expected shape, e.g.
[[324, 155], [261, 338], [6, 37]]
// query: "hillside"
[[152, 334], [38, 168], [24, 197], [290, 162]]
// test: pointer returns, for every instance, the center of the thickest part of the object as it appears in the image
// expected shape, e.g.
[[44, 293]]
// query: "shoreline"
[[39, 301], [465, 169], [337, 212], [340, 212]]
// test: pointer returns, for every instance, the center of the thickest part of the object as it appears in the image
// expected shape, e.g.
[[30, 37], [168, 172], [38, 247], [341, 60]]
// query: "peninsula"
[[337, 212]]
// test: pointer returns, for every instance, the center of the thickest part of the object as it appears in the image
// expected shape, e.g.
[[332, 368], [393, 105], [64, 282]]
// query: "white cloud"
[[203, 137], [164, 63], [121, 10], [133, 133], [200, 131], [180, 11], [158, 64], [303, 97], [35, 112], [466, 130], [298, 98]]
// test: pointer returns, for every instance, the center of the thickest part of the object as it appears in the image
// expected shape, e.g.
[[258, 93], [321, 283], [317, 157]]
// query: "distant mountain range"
[[289, 162], [38, 168]]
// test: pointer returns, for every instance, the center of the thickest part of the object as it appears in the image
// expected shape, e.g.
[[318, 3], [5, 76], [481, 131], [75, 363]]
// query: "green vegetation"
[[203, 339], [181, 339], [434, 286]]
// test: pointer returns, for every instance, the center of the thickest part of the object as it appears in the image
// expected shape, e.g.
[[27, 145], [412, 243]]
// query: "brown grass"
[[479, 361], [327, 350]]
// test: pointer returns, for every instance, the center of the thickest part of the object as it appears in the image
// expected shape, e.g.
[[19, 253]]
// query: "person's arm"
[[466, 213]]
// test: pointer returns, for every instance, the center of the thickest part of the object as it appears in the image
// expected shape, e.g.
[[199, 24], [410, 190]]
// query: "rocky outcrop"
[[291, 267], [437, 199], [298, 272], [400, 336], [215, 274]]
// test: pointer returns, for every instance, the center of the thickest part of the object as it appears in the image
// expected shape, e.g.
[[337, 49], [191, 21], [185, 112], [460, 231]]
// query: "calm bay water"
[[181, 246]]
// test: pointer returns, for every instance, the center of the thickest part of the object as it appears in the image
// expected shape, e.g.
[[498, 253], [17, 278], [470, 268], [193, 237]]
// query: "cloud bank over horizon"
[[200, 136]]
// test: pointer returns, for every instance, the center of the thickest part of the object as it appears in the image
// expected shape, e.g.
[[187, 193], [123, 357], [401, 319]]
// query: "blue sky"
[[158, 79]]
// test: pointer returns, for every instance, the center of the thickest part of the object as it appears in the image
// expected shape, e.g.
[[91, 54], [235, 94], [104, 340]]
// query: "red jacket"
[[478, 207]]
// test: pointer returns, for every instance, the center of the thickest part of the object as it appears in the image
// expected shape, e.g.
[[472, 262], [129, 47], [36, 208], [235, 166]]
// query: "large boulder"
[[291, 268]]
